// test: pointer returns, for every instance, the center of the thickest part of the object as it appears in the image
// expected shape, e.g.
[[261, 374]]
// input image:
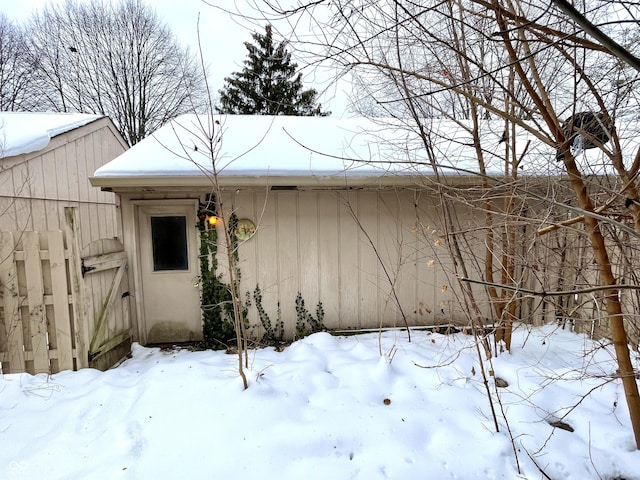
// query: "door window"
[[169, 242]]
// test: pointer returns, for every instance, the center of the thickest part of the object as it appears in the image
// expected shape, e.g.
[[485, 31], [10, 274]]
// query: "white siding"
[[310, 242], [35, 188]]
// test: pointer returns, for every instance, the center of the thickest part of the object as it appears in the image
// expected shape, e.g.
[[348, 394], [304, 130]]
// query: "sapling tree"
[[206, 132]]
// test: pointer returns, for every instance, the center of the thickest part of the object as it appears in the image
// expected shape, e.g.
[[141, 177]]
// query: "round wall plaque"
[[245, 229]]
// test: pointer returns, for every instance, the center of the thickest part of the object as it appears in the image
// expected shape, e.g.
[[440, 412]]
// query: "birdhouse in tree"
[[585, 130]]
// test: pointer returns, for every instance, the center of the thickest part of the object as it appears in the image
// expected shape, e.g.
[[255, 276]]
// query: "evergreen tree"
[[268, 84]]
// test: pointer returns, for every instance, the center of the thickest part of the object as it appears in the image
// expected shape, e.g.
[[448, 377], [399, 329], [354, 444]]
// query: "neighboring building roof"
[[26, 132], [280, 150]]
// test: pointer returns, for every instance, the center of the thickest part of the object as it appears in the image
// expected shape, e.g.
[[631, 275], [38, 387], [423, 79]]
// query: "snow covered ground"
[[328, 408]]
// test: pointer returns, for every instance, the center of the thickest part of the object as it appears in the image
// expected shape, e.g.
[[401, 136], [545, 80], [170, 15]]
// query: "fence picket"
[[35, 302], [13, 354], [80, 311], [64, 341]]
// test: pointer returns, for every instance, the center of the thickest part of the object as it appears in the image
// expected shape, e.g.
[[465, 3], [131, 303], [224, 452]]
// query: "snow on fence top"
[[26, 132]]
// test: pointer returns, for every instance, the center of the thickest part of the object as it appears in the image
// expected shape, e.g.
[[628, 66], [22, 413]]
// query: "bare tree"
[[115, 59], [207, 132], [529, 68], [16, 67]]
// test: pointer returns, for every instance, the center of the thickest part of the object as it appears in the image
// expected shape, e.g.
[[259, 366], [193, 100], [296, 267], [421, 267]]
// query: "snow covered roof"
[[325, 150], [26, 132]]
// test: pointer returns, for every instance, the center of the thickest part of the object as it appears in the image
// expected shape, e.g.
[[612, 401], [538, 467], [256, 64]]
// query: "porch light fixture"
[[207, 211]]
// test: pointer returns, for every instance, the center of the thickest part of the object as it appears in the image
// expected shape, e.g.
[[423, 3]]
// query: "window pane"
[[169, 239]]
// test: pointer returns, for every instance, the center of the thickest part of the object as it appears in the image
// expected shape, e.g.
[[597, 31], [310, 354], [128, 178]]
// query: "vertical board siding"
[[309, 266], [35, 190], [62, 177], [266, 269], [91, 141], [37, 178], [349, 268], [71, 164], [94, 222], [371, 298], [287, 257], [36, 210], [82, 171], [393, 250], [357, 252], [104, 151], [246, 208], [53, 217], [22, 218], [327, 246], [50, 191]]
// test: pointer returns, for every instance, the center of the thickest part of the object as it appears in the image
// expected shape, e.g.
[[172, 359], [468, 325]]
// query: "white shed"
[[338, 219]]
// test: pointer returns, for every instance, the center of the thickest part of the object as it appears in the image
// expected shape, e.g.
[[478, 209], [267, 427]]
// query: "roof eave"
[[146, 182]]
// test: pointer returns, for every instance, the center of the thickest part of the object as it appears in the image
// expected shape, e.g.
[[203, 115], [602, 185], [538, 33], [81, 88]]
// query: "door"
[[169, 273]]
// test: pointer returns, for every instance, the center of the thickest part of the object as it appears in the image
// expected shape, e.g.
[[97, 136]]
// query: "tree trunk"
[[612, 299]]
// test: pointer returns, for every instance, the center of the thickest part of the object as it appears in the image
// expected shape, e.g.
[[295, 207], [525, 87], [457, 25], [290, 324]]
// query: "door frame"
[[192, 252]]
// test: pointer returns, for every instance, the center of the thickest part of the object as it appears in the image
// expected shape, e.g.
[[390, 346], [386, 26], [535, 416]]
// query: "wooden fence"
[[62, 307]]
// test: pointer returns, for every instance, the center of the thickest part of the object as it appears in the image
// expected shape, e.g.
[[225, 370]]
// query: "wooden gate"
[[103, 266], [62, 308]]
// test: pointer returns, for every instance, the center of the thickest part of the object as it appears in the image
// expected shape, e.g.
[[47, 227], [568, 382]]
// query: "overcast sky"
[[222, 36]]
